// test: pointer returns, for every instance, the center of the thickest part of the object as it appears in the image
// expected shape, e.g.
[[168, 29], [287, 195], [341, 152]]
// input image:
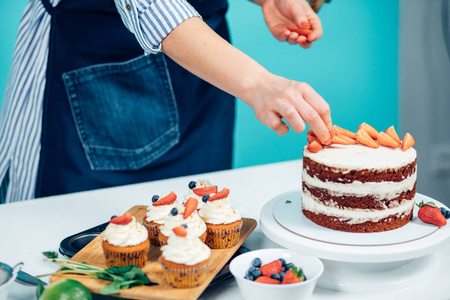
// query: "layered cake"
[[356, 188]]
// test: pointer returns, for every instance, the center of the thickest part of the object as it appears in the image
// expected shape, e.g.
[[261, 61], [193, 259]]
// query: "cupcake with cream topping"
[[156, 212], [223, 223], [183, 214], [184, 259], [198, 189], [125, 242]]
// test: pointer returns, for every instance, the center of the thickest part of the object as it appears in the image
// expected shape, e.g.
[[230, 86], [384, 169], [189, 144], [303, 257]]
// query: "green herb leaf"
[[40, 289], [110, 289], [288, 202], [50, 254]]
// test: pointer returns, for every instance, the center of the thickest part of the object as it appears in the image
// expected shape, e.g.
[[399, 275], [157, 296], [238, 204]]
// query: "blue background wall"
[[354, 67]]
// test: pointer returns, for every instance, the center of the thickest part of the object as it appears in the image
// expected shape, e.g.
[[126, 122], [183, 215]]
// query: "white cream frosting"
[[219, 212], [354, 215], [188, 250], [131, 234], [198, 184], [195, 224], [158, 213], [359, 157], [379, 190]]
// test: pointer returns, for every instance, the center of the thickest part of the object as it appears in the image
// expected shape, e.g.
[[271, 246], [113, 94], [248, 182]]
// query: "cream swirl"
[[198, 184], [188, 250], [158, 213], [195, 224], [219, 212], [131, 234]]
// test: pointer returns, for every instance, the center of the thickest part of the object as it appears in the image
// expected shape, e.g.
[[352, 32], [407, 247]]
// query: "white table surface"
[[31, 227]]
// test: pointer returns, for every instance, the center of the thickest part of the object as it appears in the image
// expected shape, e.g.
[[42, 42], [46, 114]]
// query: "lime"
[[66, 289]]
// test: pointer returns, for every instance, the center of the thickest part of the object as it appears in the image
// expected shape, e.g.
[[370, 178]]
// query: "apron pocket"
[[125, 113]]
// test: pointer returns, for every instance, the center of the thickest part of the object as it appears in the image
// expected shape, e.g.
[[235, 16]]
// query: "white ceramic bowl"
[[312, 268]]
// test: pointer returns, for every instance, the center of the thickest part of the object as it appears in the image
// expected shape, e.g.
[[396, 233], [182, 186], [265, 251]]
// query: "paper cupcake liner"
[[153, 231], [116, 259], [187, 277], [223, 238]]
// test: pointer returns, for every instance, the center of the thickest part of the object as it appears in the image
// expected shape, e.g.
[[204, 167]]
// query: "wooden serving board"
[[93, 255]]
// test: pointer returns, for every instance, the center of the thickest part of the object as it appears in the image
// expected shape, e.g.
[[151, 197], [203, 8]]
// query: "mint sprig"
[[122, 277]]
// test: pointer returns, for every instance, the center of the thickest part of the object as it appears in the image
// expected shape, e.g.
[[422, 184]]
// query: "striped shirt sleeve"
[[152, 20]]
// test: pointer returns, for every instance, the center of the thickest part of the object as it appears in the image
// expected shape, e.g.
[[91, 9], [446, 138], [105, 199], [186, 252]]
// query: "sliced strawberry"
[[293, 276], [386, 140], [311, 139], [344, 132], [207, 190], [267, 279], [180, 231], [408, 142], [369, 129], [300, 31], [190, 206], [220, 195], [122, 220], [343, 140], [273, 267], [314, 147], [393, 134], [169, 199], [364, 138], [310, 132]]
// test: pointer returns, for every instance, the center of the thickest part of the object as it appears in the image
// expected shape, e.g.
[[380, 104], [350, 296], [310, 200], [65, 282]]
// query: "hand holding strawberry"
[[430, 213]]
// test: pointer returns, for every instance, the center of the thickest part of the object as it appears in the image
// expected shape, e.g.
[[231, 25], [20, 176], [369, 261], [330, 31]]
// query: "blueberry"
[[275, 276], [283, 262], [174, 211], [249, 277], [257, 262], [205, 198], [184, 225], [155, 198], [251, 269], [282, 273], [445, 212], [288, 267], [192, 184], [256, 273]]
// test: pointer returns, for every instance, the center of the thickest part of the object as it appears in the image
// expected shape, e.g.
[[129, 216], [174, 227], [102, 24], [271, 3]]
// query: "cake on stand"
[[357, 262]]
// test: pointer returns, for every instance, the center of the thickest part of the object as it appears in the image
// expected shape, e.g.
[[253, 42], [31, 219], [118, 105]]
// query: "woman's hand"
[[281, 14], [277, 98]]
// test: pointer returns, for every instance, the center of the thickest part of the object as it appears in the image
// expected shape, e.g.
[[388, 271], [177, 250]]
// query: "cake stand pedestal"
[[357, 262]]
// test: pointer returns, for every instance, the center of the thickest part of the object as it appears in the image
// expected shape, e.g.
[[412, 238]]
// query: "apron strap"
[[48, 6]]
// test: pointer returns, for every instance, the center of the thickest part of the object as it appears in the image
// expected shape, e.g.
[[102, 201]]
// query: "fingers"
[[316, 25], [274, 122], [318, 104], [291, 115]]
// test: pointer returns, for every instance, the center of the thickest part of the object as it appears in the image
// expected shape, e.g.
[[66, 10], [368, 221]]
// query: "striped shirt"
[[21, 114]]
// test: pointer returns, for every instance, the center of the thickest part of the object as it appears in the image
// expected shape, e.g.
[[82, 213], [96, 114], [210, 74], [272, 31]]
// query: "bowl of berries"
[[275, 274]]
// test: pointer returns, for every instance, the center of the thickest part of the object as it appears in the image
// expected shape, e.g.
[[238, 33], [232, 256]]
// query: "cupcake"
[[198, 189], [184, 259], [156, 212], [223, 223], [183, 214], [125, 242]]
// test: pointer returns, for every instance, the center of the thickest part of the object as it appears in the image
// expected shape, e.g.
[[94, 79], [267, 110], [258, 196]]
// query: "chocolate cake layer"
[[325, 173], [389, 223], [366, 202]]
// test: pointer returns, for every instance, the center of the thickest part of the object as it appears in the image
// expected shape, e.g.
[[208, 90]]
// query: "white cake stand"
[[357, 262]]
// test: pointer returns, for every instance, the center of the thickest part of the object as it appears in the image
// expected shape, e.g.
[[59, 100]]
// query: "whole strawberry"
[[430, 213]]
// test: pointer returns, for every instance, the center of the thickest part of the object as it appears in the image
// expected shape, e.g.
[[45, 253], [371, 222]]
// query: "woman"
[[86, 109]]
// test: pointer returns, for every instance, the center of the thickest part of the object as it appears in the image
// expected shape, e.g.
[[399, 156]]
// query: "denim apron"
[[113, 116]]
